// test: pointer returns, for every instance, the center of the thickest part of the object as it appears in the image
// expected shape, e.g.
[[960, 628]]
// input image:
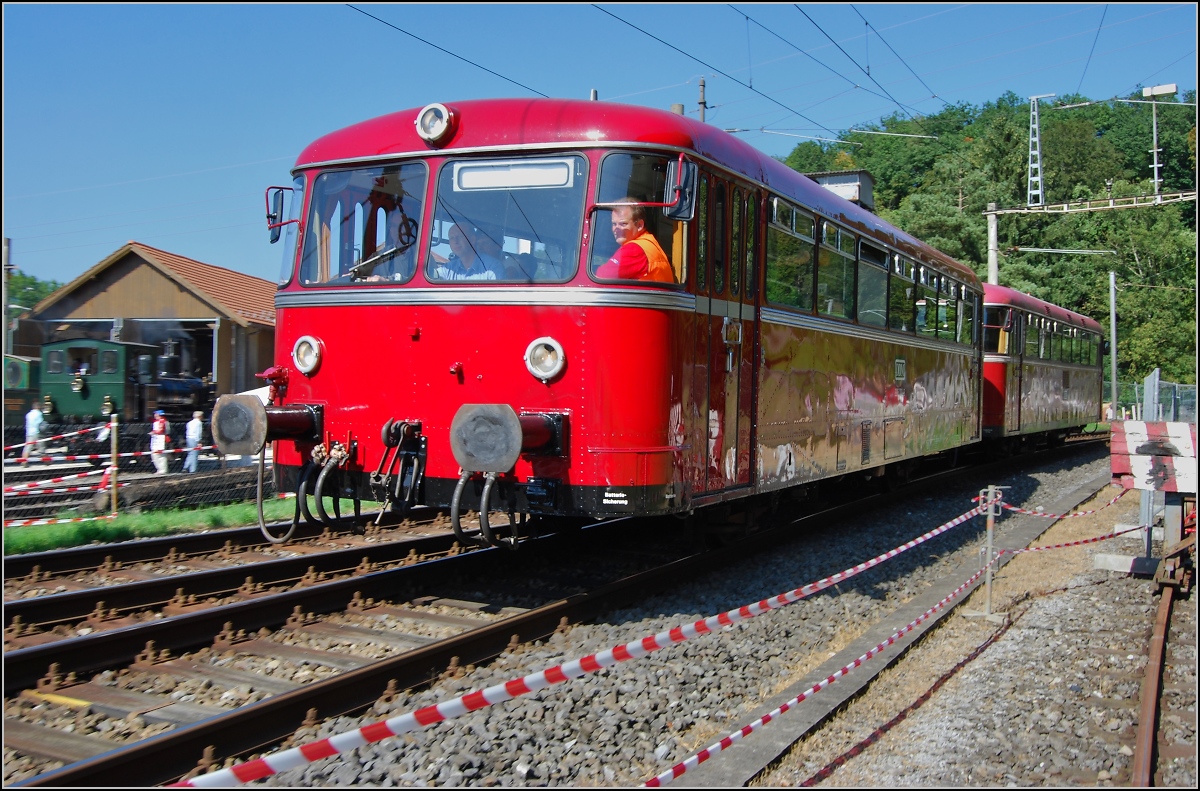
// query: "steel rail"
[[76, 605]]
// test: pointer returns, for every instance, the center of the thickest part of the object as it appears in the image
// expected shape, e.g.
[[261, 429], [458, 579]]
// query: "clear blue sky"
[[164, 123]]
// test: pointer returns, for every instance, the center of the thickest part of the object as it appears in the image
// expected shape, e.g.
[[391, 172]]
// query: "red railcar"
[[803, 338], [1042, 368]]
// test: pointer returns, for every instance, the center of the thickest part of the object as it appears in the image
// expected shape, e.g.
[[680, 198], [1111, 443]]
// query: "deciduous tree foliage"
[[937, 190]]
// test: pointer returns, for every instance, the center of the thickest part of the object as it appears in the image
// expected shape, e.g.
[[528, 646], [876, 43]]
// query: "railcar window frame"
[[871, 288], [902, 271], [720, 256], [702, 217], [737, 231], [782, 233], [830, 253], [750, 281]]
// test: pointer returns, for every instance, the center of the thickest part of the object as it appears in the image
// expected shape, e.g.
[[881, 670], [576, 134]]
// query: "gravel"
[[625, 724]]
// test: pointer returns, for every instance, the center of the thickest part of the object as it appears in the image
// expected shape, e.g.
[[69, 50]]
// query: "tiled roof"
[[249, 297], [242, 297]]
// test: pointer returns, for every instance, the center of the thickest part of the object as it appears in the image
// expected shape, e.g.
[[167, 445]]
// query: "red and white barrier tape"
[[736, 736], [32, 522], [17, 487], [130, 454], [1073, 543], [56, 436], [499, 693], [708, 752], [101, 487], [1065, 516]]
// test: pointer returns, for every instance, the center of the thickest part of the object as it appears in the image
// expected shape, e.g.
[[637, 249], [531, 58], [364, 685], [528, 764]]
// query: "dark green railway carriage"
[[21, 378], [86, 379]]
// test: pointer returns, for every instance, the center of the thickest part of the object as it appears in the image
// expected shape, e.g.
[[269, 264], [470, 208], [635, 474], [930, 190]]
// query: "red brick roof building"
[[225, 319]]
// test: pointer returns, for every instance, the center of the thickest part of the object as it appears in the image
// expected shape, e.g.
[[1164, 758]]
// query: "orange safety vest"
[[659, 267]]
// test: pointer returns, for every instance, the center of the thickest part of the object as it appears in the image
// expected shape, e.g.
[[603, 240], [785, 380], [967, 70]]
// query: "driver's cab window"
[[363, 225], [631, 241], [509, 220], [83, 359]]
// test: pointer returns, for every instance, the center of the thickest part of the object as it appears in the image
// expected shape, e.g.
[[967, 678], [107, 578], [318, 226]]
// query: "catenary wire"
[[932, 93], [448, 52], [714, 68], [1093, 49]]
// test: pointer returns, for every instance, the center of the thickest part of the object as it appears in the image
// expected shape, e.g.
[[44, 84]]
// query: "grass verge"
[[149, 524]]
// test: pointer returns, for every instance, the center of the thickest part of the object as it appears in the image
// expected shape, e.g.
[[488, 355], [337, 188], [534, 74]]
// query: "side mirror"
[[275, 213], [680, 190], [1105, 348]]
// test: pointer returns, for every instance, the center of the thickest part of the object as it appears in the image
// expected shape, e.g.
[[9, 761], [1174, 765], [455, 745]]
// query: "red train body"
[[803, 338], [1042, 367]]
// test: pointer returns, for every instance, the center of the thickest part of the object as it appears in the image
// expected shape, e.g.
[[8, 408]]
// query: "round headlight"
[[306, 354], [435, 123], [77, 384], [107, 407], [545, 358]]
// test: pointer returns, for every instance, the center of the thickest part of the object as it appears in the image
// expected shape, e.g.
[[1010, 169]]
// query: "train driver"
[[467, 261], [639, 256]]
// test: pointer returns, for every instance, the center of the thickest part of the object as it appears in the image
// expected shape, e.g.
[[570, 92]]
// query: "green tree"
[[26, 291], [809, 157]]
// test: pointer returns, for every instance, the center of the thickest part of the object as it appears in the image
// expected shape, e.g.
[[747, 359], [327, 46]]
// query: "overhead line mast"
[[1034, 196]]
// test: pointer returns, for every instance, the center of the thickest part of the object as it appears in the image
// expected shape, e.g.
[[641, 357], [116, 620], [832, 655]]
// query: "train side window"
[[718, 239], [872, 286], [997, 323], [927, 302], [109, 363], [901, 295], [1031, 336], [835, 274], [805, 226], [56, 362], [702, 237], [789, 275], [783, 213], [751, 246], [966, 324], [948, 310], [736, 232]]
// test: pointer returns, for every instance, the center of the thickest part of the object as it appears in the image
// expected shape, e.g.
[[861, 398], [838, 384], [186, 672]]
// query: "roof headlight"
[[306, 354], [435, 123], [545, 358]]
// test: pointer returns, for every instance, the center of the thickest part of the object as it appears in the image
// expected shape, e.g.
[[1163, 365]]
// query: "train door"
[[725, 339], [1010, 345], [747, 354]]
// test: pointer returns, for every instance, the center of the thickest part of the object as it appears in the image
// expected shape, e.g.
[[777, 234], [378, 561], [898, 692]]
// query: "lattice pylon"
[[1035, 197]]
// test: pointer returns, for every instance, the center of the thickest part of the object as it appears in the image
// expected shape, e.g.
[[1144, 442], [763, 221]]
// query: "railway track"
[[321, 624]]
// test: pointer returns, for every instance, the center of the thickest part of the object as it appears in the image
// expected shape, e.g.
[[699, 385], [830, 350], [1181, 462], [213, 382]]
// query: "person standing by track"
[[158, 442], [33, 430], [195, 430]]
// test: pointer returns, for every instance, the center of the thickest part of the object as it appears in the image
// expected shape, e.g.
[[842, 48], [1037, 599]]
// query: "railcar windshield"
[[363, 225], [513, 220]]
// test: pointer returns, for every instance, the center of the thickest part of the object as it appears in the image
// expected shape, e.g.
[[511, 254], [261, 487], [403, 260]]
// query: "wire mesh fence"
[[1176, 402], [71, 473]]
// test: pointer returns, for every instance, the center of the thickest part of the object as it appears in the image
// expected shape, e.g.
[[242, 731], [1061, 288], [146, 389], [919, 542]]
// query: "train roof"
[[96, 343], [1003, 295], [514, 124]]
